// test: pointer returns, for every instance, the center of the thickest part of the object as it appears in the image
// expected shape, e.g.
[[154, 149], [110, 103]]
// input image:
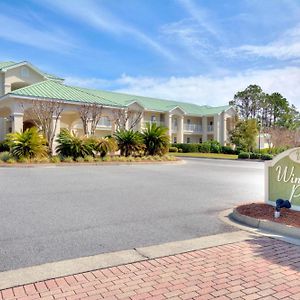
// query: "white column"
[[2, 128], [180, 130], [17, 122], [169, 125], [224, 131], [217, 128], [141, 123], [56, 133], [204, 129]]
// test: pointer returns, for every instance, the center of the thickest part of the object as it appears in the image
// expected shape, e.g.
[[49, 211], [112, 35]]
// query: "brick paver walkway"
[[262, 268]]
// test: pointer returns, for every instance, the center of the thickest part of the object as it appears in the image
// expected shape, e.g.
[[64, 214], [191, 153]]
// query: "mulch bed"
[[264, 211]]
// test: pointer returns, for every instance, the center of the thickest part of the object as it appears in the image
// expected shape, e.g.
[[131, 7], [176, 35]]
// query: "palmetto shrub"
[[70, 145], [106, 145], [156, 139], [28, 144], [129, 142]]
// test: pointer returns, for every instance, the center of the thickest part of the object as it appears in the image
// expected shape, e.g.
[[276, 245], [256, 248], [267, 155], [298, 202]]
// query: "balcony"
[[192, 127], [158, 123], [210, 128]]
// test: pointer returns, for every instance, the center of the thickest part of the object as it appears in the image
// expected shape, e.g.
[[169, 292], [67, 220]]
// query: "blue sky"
[[200, 51]]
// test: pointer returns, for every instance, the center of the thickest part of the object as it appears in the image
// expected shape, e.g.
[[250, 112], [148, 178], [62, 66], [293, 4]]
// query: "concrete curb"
[[266, 228], [267, 225], [47, 271]]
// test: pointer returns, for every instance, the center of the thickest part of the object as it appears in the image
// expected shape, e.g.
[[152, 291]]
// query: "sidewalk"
[[260, 268]]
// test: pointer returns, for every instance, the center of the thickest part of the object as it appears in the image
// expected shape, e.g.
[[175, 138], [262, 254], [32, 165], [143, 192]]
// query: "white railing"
[[192, 127], [158, 123], [210, 128]]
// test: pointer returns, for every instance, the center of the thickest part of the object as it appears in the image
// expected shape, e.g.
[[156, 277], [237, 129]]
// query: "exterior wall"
[[192, 138], [70, 119], [159, 117]]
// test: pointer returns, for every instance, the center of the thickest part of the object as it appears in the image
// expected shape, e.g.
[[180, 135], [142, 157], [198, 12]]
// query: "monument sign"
[[282, 178]]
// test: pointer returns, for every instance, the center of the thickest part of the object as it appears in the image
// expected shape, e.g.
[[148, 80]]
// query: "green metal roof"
[[154, 104], [4, 65], [51, 89]]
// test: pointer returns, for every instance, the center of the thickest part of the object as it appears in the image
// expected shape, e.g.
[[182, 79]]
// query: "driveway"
[[54, 213]]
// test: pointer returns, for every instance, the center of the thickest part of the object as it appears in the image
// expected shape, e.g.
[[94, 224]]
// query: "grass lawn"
[[207, 155]]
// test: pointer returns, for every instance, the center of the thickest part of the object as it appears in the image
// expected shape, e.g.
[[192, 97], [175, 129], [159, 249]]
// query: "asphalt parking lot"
[[54, 213]]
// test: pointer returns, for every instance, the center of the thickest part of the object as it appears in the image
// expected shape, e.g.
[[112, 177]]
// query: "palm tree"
[[106, 145], [72, 145], [129, 141], [27, 144], [156, 139]]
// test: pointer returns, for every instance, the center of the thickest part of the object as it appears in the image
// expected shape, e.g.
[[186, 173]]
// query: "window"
[[189, 121], [24, 72], [188, 140], [153, 118], [211, 123], [175, 140], [200, 140]]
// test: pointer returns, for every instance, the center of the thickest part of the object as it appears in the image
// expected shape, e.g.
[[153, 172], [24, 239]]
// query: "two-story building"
[[22, 83]]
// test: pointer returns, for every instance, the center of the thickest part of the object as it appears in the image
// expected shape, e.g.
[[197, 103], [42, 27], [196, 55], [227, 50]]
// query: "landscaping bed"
[[204, 155], [263, 211], [97, 161]]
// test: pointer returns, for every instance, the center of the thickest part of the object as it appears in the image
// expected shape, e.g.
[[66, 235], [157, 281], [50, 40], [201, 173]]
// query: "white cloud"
[[18, 31], [286, 47], [91, 13], [201, 16], [205, 89]]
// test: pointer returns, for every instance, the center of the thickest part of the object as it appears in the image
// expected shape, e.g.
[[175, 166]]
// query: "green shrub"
[[80, 159], [5, 156], [29, 144], [255, 155], [215, 146], [11, 161], [55, 159], [266, 157], [228, 150], [67, 159], [24, 160], [4, 147], [244, 155], [180, 150], [204, 147], [186, 148], [41, 160], [89, 158], [173, 149], [72, 145]]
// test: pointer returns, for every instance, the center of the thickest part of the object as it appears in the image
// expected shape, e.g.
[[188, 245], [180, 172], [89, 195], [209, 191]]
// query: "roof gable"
[[5, 66]]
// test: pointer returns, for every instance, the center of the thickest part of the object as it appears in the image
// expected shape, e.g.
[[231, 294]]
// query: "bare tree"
[[90, 113], [125, 119], [45, 116], [282, 137]]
